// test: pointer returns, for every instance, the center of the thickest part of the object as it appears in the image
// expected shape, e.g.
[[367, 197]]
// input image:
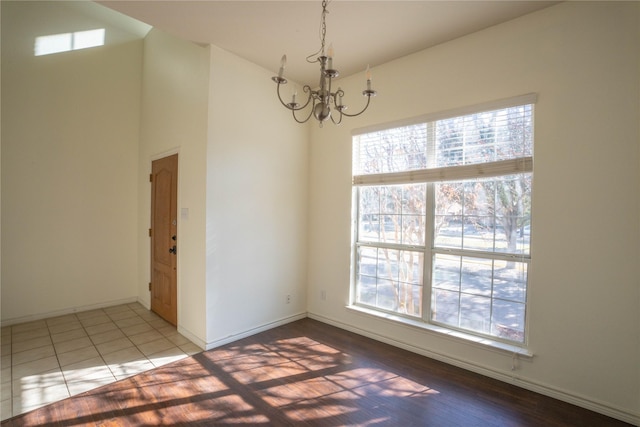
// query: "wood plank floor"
[[309, 373]]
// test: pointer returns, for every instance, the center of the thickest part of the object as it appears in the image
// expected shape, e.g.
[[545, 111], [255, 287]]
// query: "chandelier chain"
[[324, 23], [323, 32]]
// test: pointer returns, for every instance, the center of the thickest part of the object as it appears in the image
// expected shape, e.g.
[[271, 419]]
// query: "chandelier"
[[322, 99]]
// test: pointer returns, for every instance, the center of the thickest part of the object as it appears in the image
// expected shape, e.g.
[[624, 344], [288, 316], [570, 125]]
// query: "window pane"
[[386, 293], [394, 214], [369, 214], [368, 261], [508, 320], [366, 290], [391, 150], [489, 295], [488, 215], [388, 263], [448, 231], [414, 300], [391, 229], [513, 212], [413, 199], [448, 214], [86, 39], [510, 280], [390, 279], [413, 227], [479, 222], [484, 137], [367, 275], [449, 198], [476, 276], [54, 43], [478, 233], [445, 307], [391, 199], [475, 313], [369, 229], [446, 272]]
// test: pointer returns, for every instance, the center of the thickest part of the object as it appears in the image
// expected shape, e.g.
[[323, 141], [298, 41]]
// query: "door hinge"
[[150, 177], [149, 286], [150, 233]]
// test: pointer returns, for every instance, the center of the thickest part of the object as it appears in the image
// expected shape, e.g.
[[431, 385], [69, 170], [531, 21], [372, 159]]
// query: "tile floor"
[[49, 360]]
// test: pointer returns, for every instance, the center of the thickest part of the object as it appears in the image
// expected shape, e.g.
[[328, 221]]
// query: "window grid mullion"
[[430, 211], [460, 294], [493, 272]]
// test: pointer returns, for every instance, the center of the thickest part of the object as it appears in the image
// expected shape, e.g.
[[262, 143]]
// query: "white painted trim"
[[526, 99], [191, 337], [181, 330], [544, 389], [166, 153], [145, 304], [450, 334], [264, 327], [71, 310]]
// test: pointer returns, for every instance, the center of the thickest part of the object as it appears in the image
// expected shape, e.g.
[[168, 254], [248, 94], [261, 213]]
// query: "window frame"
[[430, 177]]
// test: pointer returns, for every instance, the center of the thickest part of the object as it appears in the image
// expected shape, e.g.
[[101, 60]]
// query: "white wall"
[[174, 120], [257, 168], [69, 143], [247, 229], [582, 59]]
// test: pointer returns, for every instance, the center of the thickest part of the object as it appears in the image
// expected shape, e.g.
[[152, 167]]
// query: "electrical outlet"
[[288, 299]]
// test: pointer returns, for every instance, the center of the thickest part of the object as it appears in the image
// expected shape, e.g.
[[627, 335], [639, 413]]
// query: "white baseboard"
[[191, 337], [145, 304], [255, 330], [62, 312], [563, 395]]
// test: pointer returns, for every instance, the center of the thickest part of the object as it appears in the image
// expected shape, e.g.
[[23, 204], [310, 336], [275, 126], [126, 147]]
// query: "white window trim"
[[449, 173], [530, 98], [453, 334]]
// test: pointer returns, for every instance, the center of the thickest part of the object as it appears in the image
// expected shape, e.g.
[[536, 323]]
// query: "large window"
[[443, 219]]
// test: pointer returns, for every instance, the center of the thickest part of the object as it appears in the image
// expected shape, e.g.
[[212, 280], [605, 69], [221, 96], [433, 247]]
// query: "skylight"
[[56, 43]]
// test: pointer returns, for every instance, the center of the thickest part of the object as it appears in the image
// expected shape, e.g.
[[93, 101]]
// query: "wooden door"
[[164, 233]]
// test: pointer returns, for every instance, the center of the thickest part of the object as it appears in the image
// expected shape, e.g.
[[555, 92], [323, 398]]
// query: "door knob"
[[173, 250]]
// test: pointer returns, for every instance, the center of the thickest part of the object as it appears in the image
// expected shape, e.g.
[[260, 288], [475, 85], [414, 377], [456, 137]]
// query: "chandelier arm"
[[280, 98], [289, 106], [293, 112], [339, 120], [362, 111], [306, 89]]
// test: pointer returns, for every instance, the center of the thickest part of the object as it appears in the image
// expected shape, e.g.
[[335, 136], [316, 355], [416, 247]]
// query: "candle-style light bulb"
[[368, 76], [283, 63], [295, 92]]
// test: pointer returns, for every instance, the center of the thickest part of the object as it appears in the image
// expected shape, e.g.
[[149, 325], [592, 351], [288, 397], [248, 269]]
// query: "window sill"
[[448, 333]]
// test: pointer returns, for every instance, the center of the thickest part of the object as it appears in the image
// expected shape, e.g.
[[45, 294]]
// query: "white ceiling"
[[362, 32]]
